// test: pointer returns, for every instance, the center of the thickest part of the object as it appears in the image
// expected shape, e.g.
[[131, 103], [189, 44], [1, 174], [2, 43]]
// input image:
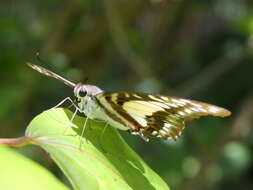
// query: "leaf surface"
[[103, 160], [18, 172]]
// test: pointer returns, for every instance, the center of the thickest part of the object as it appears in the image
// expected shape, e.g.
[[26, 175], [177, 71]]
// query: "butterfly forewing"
[[155, 115]]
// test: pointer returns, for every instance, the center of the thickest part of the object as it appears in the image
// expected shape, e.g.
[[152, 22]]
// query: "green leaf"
[[103, 161], [18, 172]]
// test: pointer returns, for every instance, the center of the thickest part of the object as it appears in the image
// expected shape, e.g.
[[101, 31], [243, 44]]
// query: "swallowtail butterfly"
[[146, 115]]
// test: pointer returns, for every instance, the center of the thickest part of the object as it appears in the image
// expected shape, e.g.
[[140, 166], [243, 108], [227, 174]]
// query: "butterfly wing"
[[155, 115]]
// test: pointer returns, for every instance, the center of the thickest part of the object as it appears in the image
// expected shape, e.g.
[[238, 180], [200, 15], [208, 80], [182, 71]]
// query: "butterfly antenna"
[[48, 73], [42, 61], [38, 57]]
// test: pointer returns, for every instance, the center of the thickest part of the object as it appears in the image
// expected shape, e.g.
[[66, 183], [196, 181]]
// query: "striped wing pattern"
[[150, 115]]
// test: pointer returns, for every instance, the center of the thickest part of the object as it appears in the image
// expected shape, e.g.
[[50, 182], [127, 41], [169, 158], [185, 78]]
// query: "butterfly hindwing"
[[155, 115]]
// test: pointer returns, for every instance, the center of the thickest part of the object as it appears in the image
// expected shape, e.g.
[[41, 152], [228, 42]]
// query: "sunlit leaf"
[[103, 161], [18, 172]]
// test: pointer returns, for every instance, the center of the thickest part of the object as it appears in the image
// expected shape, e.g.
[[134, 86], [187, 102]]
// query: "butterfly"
[[142, 114]]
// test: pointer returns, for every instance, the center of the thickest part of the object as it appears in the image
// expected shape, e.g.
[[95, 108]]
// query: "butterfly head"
[[83, 90]]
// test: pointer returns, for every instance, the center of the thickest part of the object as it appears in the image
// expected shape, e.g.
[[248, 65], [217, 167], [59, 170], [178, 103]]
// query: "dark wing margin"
[[156, 115]]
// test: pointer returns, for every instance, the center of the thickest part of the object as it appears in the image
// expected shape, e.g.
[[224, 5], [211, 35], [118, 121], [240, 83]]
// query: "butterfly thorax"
[[90, 106]]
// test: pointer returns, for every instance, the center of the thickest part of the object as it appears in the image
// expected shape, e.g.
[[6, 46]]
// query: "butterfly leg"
[[82, 133], [101, 137], [140, 134], [73, 116], [71, 121], [72, 104], [64, 100]]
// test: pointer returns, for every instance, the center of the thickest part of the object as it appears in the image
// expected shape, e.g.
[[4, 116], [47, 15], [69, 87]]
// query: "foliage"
[[18, 172], [100, 160]]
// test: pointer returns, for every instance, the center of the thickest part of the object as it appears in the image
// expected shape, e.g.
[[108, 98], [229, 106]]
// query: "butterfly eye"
[[82, 93]]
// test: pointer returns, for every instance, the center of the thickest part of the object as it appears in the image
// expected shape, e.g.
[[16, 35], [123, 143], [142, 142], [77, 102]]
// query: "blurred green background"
[[196, 49]]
